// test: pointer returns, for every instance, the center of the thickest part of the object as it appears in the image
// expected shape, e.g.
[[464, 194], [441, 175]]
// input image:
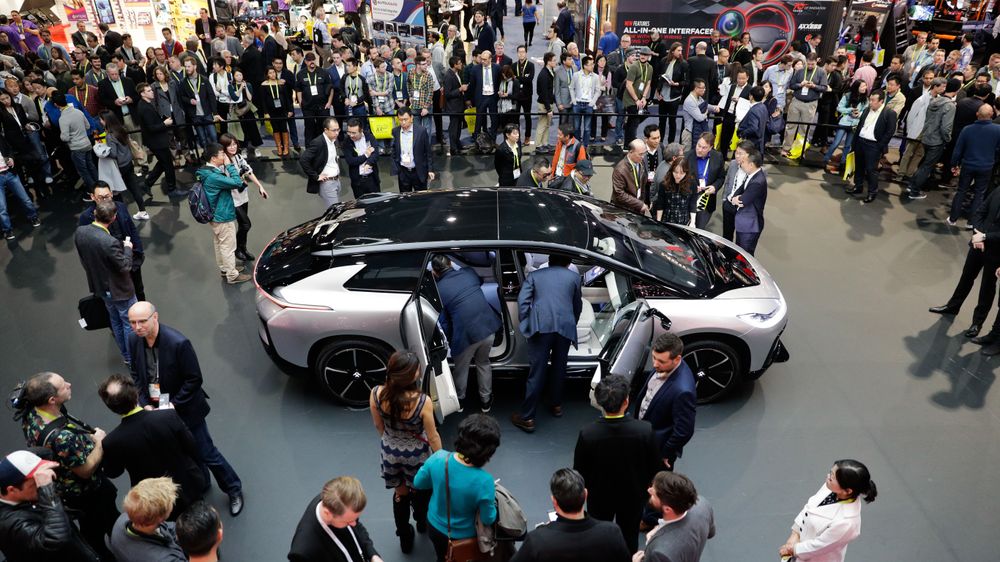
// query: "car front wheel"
[[716, 366], [348, 370]]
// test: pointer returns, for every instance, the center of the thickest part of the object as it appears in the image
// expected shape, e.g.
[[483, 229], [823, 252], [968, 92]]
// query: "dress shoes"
[[990, 350], [987, 340], [944, 309], [854, 191], [244, 255], [557, 411], [973, 330], [868, 199], [528, 426], [236, 504]]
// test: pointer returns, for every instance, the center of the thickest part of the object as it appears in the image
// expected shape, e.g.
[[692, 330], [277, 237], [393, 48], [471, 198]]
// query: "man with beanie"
[[936, 133], [34, 525]]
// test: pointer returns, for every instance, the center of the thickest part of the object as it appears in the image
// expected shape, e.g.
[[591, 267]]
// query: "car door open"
[[423, 336], [627, 347]]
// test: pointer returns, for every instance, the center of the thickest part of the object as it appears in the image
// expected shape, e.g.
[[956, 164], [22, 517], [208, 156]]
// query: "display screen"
[[921, 13]]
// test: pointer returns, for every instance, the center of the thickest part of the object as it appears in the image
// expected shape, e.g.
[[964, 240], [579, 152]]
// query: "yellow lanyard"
[[86, 95], [196, 88], [517, 159], [274, 90], [642, 72], [810, 77], [520, 70], [380, 84], [635, 174], [311, 78], [353, 90], [398, 81]]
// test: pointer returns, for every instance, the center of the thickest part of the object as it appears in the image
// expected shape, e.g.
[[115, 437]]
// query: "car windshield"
[[648, 245]]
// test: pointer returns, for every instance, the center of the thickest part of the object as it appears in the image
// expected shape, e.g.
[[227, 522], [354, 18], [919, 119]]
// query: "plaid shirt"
[[421, 83]]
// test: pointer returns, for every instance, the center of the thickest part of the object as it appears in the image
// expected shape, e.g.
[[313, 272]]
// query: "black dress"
[[269, 94]]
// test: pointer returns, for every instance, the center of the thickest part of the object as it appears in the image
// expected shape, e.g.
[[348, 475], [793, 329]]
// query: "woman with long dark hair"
[[121, 153], [852, 104], [276, 102], [241, 197], [242, 108], [605, 102], [673, 85], [675, 202], [404, 419], [831, 519]]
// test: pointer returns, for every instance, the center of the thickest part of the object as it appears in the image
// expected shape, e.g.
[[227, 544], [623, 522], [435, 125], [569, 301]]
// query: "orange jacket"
[[571, 158]]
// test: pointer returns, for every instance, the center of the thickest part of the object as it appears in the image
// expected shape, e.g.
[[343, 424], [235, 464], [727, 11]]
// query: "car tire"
[[348, 370], [717, 368]]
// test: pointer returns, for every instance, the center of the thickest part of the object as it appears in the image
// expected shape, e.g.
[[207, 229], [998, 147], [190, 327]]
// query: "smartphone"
[[164, 401]]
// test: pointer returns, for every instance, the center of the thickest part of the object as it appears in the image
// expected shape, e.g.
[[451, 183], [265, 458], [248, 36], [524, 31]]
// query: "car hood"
[[766, 289]]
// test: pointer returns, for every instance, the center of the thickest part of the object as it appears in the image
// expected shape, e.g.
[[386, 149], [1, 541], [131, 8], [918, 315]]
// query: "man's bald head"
[[144, 320], [985, 112], [119, 393], [701, 48], [143, 308]]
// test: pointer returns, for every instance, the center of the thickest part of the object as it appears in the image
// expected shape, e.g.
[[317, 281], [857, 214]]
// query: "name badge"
[[638, 87], [380, 99], [164, 401], [353, 99], [416, 96], [487, 89], [277, 103], [805, 91], [651, 175], [154, 392], [701, 183], [517, 173], [365, 169], [407, 159], [399, 95], [313, 90]]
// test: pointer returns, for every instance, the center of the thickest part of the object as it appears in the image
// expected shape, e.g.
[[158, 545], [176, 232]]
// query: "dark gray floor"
[[873, 376]]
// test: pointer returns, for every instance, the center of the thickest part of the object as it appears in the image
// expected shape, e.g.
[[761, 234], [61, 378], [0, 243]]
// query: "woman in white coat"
[[832, 517]]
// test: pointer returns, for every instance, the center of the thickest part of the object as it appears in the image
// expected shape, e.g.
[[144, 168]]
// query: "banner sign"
[[772, 24], [76, 10], [402, 18]]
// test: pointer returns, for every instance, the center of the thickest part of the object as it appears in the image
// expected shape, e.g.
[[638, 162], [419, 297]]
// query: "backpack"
[[201, 207]]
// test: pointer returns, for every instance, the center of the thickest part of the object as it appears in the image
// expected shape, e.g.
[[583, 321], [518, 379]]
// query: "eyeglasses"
[[141, 321]]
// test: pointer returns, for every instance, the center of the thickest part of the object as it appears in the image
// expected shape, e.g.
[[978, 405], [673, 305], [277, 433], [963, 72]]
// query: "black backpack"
[[201, 207]]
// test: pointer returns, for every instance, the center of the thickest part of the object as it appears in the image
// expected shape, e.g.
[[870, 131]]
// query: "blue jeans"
[[293, 129], [212, 460], [118, 313], [10, 182], [837, 138], [968, 177], [204, 129], [540, 374], [425, 121], [83, 160], [581, 121], [619, 119], [36, 141]]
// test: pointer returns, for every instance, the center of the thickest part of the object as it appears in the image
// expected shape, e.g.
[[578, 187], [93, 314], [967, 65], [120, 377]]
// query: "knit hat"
[[953, 85], [17, 467]]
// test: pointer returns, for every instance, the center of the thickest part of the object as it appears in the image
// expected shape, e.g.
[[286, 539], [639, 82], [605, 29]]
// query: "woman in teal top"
[[471, 488], [853, 103]]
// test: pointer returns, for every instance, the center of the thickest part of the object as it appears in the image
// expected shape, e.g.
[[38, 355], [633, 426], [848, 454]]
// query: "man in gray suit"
[[544, 304], [108, 263], [686, 520], [564, 78]]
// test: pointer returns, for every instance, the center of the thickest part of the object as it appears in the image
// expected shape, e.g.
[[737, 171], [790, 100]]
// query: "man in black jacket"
[[454, 102], [156, 137], [524, 73], [541, 170], [546, 101], [875, 129], [149, 443], [117, 93], [329, 530], [196, 97], [34, 526], [412, 161], [701, 66], [320, 165], [166, 373], [618, 458], [574, 535], [361, 152]]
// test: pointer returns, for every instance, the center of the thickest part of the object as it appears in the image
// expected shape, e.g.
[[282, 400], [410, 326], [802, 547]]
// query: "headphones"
[[771, 27]]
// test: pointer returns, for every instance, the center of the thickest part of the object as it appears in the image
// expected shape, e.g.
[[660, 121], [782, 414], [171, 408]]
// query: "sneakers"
[[239, 269], [916, 194], [9, 235], [950, 222], [241, 278], [487, 405], [256, 153], [48, 179], [36, 222], [141, 216]]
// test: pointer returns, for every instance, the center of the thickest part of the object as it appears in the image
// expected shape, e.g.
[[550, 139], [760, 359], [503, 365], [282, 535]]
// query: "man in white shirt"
[[874, 131], [584, 90], [319, 162]]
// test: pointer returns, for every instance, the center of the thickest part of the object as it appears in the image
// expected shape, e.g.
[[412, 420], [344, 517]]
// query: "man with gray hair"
[[630, 180], [617, 457]]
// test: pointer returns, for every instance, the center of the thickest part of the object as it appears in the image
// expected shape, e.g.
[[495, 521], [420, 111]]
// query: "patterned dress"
[[404, 445]]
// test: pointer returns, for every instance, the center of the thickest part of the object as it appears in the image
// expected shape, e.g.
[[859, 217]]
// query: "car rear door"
[[422, 335]]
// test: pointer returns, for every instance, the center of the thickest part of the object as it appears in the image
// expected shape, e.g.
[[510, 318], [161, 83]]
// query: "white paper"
[[416, 95], [83, 323], [487, 89], [742, 107]]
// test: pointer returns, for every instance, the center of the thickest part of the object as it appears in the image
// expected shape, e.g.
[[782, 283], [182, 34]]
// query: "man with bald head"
[[166, 373], [975, 154]]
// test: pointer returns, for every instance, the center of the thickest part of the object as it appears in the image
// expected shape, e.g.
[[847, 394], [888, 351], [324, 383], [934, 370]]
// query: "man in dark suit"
[[121, 228], [166, 371], [753, 127], [361, 152], [667, 399], [484, 81], [701, 66], [749, 199], [618, 457], [524, 73], [872, 134], [482, 32], [204, 27], [149, 443], [329, 530], [320, 165], [252, 63], [575, 534], [470, 324], [549, 306], [412, 161], [117, 93], [108, 263], [630, 180], [708, 168], [541, 170], [156, 136], [454, 102]]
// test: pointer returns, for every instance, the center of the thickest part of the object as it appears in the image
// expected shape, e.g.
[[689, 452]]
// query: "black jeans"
[[975, 263], [626, 512], [455, 124], [966, 179], [669, 108], [313, 122], [529, 32], [866, 157], [410, 181], [632, 121], [128, 176], [524, 106], [243, 225], [439, 540], [213, 461], [728, 221], [164, 165]]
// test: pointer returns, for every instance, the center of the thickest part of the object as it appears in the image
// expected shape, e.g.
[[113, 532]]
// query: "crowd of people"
[[103, 115]]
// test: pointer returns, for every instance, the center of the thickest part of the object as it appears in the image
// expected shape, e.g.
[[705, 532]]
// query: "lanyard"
[[810, 77], [86, 95], [520, 71], [702, 167], [340, 545], [517, 159], [397, 79], [311, 78], [380, 84], [274, 90], [356, 85], [418, 81], [197, 88], [642, 72], [635, 174]]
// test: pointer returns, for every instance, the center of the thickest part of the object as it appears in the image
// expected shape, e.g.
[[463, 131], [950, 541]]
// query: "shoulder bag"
[[459, 550]]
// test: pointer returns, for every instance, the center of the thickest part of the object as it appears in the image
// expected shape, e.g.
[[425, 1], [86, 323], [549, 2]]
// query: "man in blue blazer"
[[470, 324], [484, 85], [749, 201], [544, 304], [668, 397], [753, 127], [164, 363], [411, 153]]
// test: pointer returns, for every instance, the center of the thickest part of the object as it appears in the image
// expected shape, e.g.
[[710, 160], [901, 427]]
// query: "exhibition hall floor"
[[872, 376]]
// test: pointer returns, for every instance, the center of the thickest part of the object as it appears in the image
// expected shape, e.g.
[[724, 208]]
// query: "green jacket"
[[218, 187]]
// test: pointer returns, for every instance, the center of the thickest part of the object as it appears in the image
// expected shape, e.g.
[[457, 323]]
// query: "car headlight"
[[758, 318]]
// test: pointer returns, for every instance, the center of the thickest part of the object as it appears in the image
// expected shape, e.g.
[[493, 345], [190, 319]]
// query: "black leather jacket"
[[41, 532]]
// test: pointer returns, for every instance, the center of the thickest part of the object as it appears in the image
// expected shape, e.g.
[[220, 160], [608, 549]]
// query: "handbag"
[[459, 550], [93, 313]]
